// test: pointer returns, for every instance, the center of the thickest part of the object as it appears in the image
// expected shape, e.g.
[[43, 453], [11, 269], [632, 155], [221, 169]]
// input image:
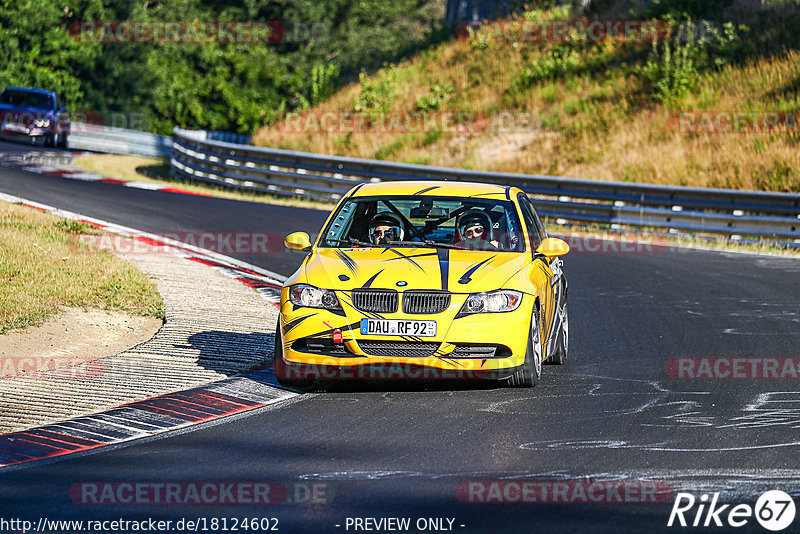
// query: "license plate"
[[398, 327]]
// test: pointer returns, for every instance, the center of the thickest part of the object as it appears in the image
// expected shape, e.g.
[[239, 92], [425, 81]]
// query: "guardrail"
[[119, 140], [321, 177], [136, 142]]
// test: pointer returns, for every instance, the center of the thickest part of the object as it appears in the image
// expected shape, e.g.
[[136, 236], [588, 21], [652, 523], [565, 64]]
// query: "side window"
[[538, 221], [530, 221]]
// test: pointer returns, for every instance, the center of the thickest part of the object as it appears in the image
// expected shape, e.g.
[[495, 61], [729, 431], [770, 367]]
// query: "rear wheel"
[[287, 374], [559, 357], [528, 375]]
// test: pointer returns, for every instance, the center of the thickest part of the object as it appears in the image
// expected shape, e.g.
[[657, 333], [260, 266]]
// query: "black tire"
[[51, 140], [286, 374], [529, 374], [64, 142], [559, 357]]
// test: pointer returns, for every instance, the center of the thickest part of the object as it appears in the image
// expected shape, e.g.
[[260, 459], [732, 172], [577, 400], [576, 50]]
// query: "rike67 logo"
[[774, 510]]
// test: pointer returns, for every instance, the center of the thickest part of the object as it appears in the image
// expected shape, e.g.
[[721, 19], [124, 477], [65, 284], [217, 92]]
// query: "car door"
[[541, 264]]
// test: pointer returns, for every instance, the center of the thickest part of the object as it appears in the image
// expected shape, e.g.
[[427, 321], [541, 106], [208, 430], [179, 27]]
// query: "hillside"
[[609, 109]]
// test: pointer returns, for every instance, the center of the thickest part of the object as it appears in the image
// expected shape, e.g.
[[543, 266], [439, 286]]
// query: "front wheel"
[[528, 375]]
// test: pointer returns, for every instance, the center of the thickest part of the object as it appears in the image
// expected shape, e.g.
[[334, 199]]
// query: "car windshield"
[[409, 221], [28, 99]]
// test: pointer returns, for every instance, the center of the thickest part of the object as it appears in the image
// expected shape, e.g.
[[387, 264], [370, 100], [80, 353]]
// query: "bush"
[[557, 61], [324, 82], [434, 100], [377, 93], [674, 65]]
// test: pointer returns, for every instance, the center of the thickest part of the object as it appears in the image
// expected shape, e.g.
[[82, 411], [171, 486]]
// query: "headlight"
[[313, 297], [491, 302], [41, 123]]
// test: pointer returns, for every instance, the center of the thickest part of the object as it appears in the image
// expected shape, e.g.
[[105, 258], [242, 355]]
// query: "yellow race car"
[[425, 280]]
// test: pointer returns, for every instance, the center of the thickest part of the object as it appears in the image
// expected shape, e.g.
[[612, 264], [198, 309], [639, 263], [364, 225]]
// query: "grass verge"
[[44, 266], [155, 170]]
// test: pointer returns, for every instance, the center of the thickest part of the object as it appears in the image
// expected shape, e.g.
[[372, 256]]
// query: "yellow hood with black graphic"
[[457, 271]]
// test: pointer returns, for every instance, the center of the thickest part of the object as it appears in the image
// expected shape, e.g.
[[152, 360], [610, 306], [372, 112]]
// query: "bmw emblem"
[[402, 283]]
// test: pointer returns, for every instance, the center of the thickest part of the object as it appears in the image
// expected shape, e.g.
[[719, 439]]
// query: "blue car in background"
[[33, 115]]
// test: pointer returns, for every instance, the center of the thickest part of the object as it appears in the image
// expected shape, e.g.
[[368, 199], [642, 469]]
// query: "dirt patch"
[[75, 335]]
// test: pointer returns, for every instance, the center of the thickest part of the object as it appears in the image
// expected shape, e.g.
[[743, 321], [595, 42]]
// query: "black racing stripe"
[[466, 277], [408, 258], [451, 361], [372, 278], [347, 260], [444, 265], [421, 255], [426, 190], [294, 322]]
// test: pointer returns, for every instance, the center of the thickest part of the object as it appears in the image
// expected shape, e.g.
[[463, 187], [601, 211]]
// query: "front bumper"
[[487, 345], [22, 137]]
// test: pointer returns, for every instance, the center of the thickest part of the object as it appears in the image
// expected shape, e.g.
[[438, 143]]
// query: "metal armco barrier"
[[316, 176], [119, 141]]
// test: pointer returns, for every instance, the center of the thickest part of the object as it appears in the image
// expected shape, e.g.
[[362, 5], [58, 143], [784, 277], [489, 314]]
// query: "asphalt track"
[[612, 413]]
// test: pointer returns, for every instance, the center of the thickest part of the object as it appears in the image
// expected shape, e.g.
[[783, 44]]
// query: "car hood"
[[458, 271]]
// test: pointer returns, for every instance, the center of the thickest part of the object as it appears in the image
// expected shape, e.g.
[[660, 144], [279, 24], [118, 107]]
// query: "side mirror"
[[552, 247], [298, 241]]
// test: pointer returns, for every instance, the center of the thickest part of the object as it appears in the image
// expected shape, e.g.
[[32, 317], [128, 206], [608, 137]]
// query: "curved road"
[[614, 412]]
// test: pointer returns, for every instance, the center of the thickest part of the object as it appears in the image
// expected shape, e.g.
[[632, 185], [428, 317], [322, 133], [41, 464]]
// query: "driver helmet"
[[477, 223], [385, 226]]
